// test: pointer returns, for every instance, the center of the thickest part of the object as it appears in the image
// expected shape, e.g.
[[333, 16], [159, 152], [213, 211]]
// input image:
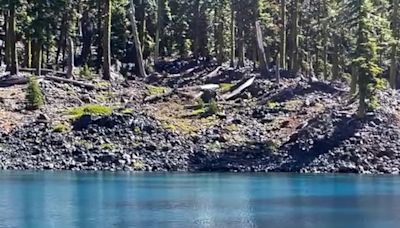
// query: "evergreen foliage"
[[34, 95]]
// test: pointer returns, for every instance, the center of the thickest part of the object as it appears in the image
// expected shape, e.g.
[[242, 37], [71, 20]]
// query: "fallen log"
[[201, 87], [239, 90], [157, 97], [71, 81], [213, 73], [43, 71], [188, 71], [11, 81]]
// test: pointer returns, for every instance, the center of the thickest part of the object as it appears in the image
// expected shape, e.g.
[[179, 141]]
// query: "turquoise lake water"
[[68, 199]]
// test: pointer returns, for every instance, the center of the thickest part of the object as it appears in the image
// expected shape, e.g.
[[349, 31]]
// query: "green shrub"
[[34, 95], [91, 109], [85, 72], [213, 107]]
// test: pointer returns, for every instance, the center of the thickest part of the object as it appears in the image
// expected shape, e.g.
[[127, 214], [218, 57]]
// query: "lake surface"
[[68, 199]]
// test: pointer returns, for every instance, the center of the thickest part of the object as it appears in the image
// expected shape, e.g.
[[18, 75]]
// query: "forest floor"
[[159, 124]]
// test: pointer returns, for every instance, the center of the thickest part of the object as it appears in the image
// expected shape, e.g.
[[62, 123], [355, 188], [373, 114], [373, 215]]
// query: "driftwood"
[[239, 90]]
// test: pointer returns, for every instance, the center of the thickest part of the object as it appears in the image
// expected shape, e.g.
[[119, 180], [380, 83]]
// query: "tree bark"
[[160, 9], [13, 40], [325, 40], [233, 47], [71, 55], [136, 40], [261, 51], [107, 40], [196, 41], [7, 39], [283, 35], [396, 35], [294, 65], [28, 53]]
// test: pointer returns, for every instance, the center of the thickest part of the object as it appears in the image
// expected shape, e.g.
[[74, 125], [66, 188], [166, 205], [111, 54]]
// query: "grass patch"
[[91, 109], [103, 84], [127, 111], [169, 126], [138, 165], [137, 130], [232, 127], [272, 104], [156, 90], [206, 109], [226, 87], [293, 104], [107, 146], [61, 127], [85, 144]]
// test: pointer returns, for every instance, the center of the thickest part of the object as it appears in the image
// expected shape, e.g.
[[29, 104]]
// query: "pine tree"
[[365, 55]]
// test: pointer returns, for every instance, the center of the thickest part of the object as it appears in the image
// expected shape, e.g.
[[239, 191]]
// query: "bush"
[[91, 109], [34, 95], [213, 107], [85, 72]]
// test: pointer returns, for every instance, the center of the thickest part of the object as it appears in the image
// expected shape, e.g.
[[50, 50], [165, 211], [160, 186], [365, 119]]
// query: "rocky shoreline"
[[299, 126]]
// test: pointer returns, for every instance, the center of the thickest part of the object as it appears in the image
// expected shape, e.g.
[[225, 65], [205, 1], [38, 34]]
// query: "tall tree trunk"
[[107, 40], [7, 48], [219, 35], [61, 42], [362, 108], [139, 54], [261, 51], [396, 35], [99, 39], [70, 60], [233, 48], [28, 53], [13, 40], [393, 67], [354, 78], [142, 28], [240, 46], [325, 40], [160, 9], [294, 65], [283, 35], [196, 17], [37, 57], [335, 60], [87, 26]]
